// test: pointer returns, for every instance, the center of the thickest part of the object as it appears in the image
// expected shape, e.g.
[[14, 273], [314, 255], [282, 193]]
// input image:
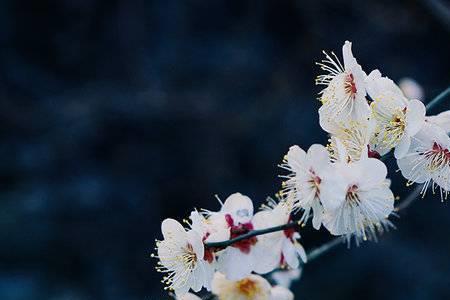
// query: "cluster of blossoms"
[[190, 260], [342, 186]]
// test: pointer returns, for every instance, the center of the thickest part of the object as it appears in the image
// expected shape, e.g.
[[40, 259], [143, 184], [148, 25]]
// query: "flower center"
[[247, 287], [350, 86], [209, 251], [315, 182], [438, 157], [189, 257], [352, 194], [289, 232], [238, 230], [394, 128], [373, 153]]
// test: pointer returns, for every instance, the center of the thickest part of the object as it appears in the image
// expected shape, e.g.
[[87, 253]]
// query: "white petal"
[[235, 264], [333, 187], [384, 91], [442, 120], [296, 157], [267, 253], [240, 207], [301, 251], [281, 293], [195, 240], [317, 214], [318, 157], [290, 254], [372, 171], [403, 146], [415, 117], [172, 229], [410, 169], [198, 277]]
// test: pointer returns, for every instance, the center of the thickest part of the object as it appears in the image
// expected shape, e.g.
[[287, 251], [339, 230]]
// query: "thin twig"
[[438, 99], [317, 252], [251, 234]]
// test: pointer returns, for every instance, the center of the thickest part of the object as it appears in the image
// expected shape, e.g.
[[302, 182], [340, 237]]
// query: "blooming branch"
[[342, 186]]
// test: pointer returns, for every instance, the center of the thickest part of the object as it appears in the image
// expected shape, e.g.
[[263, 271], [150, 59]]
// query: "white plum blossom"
[[248, 288], [252, 287], [398, 119], [241, 258], [344, 97], [181, 259], [357, 199], [428, 160], [442, 120], [282, 246], [305, 179]]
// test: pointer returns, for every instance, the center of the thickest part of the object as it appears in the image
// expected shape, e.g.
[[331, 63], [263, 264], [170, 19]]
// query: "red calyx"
[[238, 230]]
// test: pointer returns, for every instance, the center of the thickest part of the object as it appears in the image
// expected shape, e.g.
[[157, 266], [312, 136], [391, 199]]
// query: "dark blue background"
[[117, 114]]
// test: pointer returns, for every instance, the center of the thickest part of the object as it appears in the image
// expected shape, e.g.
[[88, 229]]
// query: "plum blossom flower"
[[398, 119], [352, 140], [212, 228], [344, 97], [281, 247], [303, 183], [252, 287], [181, 259], [248, 288], [239, 259], [428, 160], [357, 199], [442, 120]]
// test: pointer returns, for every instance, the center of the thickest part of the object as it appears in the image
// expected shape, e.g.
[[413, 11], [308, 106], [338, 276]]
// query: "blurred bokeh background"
[[117, 114]]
